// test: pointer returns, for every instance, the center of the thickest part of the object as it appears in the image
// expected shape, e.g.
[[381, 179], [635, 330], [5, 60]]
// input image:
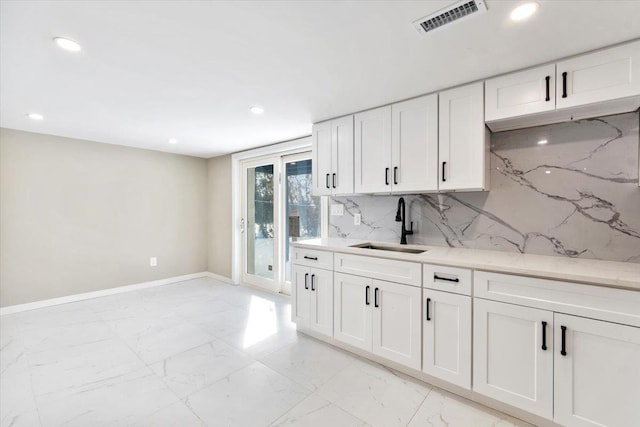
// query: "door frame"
[[252, 279], [237, 171]]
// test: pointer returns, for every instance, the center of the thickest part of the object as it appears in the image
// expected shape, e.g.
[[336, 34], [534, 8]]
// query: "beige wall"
[[220, 231], [79, 216]]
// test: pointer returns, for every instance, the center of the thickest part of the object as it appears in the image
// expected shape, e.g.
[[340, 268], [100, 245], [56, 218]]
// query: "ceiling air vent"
[[453, 13]]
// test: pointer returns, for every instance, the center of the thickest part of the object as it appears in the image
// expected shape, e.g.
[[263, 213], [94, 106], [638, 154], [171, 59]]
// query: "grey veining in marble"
[[576, 196]]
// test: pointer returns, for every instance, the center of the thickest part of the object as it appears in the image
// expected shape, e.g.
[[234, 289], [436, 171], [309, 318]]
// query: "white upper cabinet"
[[463, 139], [397, 147], [342, 155], [591, 85], [321, 162], [606, 75], [414, 145], [373, 151], [597, 373], [518, 94], [332, 145]]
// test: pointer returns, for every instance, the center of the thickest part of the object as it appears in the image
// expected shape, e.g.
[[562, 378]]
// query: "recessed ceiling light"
[[542, 142], [67, 44], [547, 172], [173, 141], [524, 11], [35, 116], [256, 109]]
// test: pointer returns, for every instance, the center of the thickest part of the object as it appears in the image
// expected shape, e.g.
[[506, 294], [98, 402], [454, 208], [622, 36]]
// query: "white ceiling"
[[154, 70]]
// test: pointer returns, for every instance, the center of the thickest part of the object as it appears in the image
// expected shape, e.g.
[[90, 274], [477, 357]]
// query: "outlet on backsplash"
[[357, 219]]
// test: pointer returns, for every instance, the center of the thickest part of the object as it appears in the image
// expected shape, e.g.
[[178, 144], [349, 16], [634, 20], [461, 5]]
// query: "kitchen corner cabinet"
[[379, 317], [332, 163], [596, 373], [312, 293], [463, 139], [513, 355], [446, 326], [396, 147]]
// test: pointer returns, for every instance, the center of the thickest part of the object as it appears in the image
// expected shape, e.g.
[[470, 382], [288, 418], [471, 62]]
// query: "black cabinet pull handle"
[[366, 295], [375, 298], [327, 180], [427, 304], [306, 284], [544, 336], [334, 180], [548, 98], [436, 277], [386, 176], [312, 258], [444, 177], [563, 350], [564, 84], [395, 175], [313, 282]]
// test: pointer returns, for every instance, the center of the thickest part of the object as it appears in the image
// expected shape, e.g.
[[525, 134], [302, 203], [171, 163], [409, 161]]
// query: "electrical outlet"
[[357, 218], [153, 261], [337, 210]]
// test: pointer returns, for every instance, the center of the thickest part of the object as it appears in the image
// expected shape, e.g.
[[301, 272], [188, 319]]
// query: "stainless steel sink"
[[388, 248]]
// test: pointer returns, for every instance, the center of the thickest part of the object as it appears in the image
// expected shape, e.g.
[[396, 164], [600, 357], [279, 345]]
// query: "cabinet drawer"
[[312, 258], [449, 279], [599, 302], [383, 269]]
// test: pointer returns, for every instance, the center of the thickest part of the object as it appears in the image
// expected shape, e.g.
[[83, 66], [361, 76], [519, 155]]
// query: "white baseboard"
[[220, 278], [111, 291]]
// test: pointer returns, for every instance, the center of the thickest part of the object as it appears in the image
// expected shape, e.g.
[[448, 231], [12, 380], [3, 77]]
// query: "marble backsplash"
[[576, 196]]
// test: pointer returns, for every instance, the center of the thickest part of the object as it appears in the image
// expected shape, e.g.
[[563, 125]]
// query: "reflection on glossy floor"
[[201, 353]]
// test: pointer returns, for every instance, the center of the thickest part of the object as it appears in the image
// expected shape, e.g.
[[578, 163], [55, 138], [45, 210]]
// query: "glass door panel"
[[260, 235], [303, 211]]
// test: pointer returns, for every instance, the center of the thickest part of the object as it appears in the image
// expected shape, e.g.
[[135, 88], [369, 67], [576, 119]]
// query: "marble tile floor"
[[202, 353]]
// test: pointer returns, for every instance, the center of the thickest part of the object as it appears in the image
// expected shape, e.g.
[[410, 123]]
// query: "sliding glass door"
[[278, 208]]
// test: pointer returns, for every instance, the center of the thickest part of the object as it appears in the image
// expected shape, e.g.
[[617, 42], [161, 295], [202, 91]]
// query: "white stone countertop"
[[624, 275]]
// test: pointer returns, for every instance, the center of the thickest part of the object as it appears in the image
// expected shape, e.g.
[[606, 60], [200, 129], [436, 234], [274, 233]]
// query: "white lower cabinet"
[[312, 293], [352, 310], [446, 351], [379, 317], [396, 322], [513, 355], [596, 373]]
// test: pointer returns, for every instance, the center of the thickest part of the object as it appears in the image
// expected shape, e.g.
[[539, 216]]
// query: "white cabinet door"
[[321, 158], [342, 155], [526, 92], [300, 294], [396, 323], [415, 145], [600, 76], [463, 140], [597, 380], [352, 310], [372, 172], [447, 337], [321, 301], [512, 361]]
